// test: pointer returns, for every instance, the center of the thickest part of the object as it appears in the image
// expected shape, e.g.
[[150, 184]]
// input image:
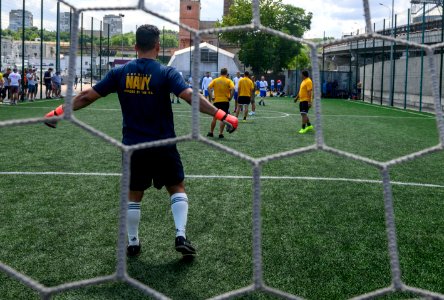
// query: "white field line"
[[187, 113], [239, 177], [391, 108]]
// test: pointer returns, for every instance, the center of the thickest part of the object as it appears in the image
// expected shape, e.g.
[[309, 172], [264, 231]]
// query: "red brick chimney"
[[189, 15]]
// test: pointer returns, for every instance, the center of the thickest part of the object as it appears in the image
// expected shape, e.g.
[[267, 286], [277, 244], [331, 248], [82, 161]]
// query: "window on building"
[[188, 7], [208, 56]]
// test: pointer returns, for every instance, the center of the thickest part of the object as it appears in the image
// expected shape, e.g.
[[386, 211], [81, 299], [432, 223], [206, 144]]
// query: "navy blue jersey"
[[144, 86]]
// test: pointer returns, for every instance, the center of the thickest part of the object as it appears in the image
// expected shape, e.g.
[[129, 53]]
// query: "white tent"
[[212, 59]]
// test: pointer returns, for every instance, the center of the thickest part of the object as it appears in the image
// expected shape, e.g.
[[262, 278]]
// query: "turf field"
[[322, 215]]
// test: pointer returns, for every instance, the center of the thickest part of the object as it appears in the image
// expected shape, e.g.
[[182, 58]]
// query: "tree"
[[126, 39], [171, 39], [262, 51], [302, 60]]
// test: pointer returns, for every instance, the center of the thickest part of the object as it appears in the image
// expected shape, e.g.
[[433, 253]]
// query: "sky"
[[334, 17]]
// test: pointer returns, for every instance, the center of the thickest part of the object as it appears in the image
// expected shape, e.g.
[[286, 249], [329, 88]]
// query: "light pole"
[[121, 30], [392, 12]]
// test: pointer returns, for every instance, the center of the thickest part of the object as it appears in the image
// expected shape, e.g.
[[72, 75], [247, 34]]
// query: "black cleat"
[[210, 134], [184, 246], [133, 250], [221, 136]]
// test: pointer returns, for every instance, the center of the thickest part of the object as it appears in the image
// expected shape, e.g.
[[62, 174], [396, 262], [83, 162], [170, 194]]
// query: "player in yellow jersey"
[[245, 93], [223, 90], [304, 96]]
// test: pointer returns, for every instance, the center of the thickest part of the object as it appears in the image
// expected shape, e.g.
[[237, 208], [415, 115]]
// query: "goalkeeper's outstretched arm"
[[204, 105], [83, 99], [207, 108]]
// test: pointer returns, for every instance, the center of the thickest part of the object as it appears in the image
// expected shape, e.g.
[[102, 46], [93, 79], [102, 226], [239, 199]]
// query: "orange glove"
[[228, 119], [54, 113]]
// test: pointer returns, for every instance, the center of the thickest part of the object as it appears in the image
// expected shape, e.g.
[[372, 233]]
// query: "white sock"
[[179, 207], [132, 221]]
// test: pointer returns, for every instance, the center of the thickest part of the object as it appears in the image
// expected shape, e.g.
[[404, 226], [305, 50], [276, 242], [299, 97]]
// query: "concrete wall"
[[411, 82]]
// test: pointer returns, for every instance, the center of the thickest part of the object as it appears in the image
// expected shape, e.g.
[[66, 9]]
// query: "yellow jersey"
[[306, 87], [222, 87], [245, 87]]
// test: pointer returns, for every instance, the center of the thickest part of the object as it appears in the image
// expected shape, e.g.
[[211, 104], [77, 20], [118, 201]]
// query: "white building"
[[212, 59], [16, 19], [115, 25]]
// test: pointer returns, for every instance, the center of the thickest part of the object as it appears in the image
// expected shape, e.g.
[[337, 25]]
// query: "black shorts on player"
[[225, 106], [160, 166], [304, 107], [245, 100]]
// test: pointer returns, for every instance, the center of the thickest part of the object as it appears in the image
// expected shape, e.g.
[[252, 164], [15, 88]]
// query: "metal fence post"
[[393, 64], [373, 66], [92, 48], [407, 59], [41, 50], [382, 63], [422, 57], [58, 38], [23, 48], [100, 52], [81, 53]]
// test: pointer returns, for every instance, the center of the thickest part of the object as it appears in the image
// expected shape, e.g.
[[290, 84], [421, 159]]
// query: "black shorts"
[[160, 166], [14, 89], [225, 106], [48, 86], [244, 100], [304, 107]]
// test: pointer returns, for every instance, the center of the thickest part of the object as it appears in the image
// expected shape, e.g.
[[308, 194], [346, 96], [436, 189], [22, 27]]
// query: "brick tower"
[[189, 15]]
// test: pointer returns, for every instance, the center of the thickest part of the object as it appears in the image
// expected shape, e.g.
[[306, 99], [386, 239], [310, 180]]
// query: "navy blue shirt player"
[[143, 87]]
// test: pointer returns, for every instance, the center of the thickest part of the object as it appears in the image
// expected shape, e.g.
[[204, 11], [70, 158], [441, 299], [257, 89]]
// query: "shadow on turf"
[[165, 277]]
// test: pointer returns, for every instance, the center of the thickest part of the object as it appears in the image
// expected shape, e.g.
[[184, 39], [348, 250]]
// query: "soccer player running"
[[246, 92], [304, 96], [143, 87], [223, 89]]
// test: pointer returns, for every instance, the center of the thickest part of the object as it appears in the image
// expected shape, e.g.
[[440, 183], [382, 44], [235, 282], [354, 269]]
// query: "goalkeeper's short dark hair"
[[147, 36], [305, 73], [223, 71]]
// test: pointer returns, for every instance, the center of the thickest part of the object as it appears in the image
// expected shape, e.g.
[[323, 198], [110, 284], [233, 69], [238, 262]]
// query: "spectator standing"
[[56, 81], [47, 80], [31, 78], [14, 83]]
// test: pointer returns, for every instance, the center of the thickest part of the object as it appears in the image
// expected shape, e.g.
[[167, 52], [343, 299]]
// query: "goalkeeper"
[[143, 87]]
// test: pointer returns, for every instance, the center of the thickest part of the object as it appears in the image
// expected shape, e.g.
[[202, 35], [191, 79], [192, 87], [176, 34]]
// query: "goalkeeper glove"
[[228, 119], [54, 113]]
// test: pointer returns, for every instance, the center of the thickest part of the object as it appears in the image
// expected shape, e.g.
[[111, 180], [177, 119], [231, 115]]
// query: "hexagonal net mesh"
[[258, 282]]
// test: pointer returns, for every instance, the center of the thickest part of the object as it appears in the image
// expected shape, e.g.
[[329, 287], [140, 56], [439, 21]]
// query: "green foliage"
[[129, 39], [170, 39], [33, 33], [126, 39], [302, 60], [262, 51]]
